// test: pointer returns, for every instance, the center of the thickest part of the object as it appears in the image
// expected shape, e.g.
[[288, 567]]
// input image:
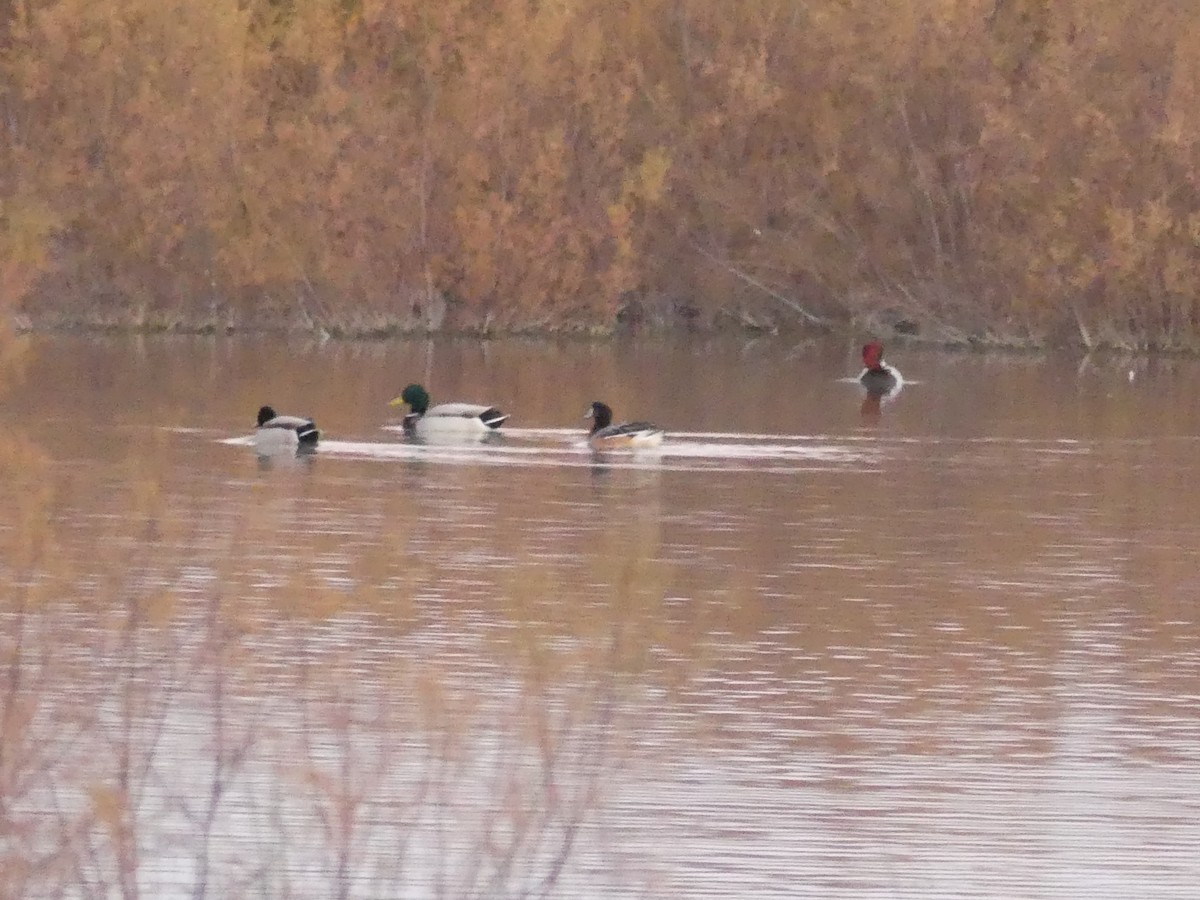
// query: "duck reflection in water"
[[601, 466], [301, 459]]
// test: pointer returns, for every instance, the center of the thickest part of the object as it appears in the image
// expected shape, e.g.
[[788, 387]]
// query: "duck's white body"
[[283, 434], [274, 441], [634, 435], [455, 420]]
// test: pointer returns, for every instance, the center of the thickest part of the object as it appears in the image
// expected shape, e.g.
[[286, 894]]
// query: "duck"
[[276, 433], [446, 419], [606, 435], [877, 376]]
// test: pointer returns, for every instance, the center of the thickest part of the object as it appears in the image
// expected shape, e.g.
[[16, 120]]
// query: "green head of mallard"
[[415, 396]]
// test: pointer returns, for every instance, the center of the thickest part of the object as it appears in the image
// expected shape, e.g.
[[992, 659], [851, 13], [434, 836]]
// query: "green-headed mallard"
[[446, 419]]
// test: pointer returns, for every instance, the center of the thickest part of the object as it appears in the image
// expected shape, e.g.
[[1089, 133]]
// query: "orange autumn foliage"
[[1008, 170]]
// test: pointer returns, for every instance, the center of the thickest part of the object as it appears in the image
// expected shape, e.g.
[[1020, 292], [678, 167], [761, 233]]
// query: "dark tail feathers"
[[492, 417]]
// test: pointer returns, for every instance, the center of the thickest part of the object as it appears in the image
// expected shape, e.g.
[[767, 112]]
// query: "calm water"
[[946, 647]]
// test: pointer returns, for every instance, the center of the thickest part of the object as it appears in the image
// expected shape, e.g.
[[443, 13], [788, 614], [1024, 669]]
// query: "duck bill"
[[396, 401]]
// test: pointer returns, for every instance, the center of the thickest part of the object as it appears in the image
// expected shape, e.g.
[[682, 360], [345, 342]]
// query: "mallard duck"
[[276, 433], [877, 376], [446, 419], [604, 434]]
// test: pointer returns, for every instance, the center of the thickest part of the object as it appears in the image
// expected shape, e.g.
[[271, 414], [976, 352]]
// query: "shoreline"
[[936, 337], [594, 334]]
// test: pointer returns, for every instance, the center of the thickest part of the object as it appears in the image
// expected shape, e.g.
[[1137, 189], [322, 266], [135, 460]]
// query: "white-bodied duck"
[[448, 420], [606, 435], [280, 434]]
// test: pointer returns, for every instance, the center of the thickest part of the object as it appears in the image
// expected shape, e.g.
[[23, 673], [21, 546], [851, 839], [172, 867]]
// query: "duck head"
[[265, 415], [872, 355], [415, 396], [600, 414]]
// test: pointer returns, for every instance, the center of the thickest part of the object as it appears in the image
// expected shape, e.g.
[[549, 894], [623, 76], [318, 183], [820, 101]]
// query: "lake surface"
[[948, 645]]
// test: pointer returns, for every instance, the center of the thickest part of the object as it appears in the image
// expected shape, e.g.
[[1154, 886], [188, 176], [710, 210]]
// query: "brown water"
[[946, 647]]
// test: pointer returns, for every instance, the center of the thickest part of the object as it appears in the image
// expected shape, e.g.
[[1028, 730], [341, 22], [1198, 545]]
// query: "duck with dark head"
[[605, 435], [280, 434]]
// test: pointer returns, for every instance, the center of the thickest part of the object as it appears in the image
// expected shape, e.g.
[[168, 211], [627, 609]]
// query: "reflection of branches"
[[208, 749], [230, 748], [451, 785], [34, 736], [541, 813], [20, 761], [121, 778], [593, 747], [356, 782]]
